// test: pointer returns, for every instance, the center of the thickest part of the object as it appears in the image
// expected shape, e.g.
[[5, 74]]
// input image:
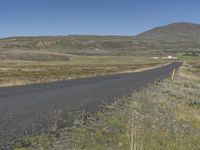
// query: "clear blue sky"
[[102, 17]]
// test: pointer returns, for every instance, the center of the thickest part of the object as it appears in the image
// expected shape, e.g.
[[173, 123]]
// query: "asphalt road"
[[34, 109]]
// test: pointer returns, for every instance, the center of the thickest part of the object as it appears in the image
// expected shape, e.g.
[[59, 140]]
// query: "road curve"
[[32, 109]]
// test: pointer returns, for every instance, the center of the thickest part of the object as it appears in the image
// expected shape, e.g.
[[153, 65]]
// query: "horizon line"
[[105, 35]]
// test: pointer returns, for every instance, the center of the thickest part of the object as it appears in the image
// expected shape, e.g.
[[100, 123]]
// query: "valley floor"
[[27, 67]]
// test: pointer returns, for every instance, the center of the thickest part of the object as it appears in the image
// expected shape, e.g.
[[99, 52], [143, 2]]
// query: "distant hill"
[[180, 31], [72, 42], [174, 37]]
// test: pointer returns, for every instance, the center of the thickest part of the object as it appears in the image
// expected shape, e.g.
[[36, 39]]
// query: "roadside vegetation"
[[163, 115]]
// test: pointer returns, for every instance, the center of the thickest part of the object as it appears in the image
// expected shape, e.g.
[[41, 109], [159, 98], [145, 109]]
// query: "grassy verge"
[[164, 115]]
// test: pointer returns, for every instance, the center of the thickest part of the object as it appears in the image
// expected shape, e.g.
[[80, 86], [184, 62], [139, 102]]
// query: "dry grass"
[[186, 73], [28, 69]]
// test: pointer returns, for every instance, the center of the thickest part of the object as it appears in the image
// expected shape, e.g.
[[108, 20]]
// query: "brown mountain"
[[180, 31]]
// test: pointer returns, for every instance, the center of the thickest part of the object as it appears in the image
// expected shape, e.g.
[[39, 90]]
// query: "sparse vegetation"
[[163, 115], [52, 68]]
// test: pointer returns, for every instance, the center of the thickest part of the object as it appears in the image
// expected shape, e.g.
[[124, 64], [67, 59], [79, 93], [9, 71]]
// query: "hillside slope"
[[174, 32], [76, 42]]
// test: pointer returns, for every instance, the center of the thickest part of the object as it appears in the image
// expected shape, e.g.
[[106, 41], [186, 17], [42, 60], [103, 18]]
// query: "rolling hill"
[[174, 32]]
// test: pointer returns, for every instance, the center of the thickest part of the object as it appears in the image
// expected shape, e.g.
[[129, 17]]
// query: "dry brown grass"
[[185, 73], [28, 69]]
